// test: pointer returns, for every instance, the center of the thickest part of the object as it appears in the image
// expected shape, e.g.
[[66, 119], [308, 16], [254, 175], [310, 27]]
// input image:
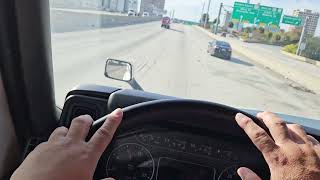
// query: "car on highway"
[[132, 13], [165, 22], [145, 14], [220, 49]]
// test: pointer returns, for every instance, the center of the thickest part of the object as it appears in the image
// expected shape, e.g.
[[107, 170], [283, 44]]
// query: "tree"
[[204, 17], [291, 48], [270, 34], [261, 30], [230, 25], [247, 30], [277, 37], [313, 48], [215, 21]]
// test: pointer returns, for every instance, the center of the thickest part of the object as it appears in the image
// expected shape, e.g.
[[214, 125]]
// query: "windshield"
[[221, 43], [273, 63]]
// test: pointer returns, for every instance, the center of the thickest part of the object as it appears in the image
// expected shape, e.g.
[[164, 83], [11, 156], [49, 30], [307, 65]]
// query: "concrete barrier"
[[68, 21]]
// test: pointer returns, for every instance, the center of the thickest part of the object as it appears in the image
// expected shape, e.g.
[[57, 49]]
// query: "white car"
[[131, 13], [145, 14]]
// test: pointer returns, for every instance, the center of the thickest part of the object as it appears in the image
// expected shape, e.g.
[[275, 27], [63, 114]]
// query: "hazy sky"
[[191, 9]]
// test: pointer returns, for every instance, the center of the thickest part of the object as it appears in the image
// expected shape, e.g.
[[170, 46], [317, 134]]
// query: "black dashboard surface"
[[159, 153]]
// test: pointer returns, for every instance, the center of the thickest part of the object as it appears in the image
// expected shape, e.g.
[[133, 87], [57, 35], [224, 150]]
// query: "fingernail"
[[242, 120], [240, 116], [243, 172], [117, 112]]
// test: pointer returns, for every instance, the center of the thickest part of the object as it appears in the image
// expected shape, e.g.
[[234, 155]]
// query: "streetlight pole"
[[206, 20], [173, 12], [218, 19], [302, 36], [204, 4]]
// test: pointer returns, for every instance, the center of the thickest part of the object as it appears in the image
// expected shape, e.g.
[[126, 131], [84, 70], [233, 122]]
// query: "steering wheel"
[[208, 117]]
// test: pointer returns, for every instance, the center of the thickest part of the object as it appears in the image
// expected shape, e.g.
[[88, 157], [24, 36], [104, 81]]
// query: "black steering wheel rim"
[[201, 114], [195, 117]]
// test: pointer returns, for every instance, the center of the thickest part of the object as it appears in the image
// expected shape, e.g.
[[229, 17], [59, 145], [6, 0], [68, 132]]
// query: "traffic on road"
[[220, 49]]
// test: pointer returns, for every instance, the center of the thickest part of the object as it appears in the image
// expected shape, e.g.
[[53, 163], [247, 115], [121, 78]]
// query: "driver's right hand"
[[291, 155]]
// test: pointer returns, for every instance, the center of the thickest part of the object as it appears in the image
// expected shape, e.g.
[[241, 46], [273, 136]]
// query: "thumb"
[[247, 174]]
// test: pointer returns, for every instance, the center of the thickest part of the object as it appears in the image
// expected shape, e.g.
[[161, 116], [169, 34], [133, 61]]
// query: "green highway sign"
[[256, 14], [292, 20], [269, 16], [244, 12]]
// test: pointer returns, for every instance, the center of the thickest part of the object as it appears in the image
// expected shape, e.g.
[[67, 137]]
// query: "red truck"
[[165, 22]]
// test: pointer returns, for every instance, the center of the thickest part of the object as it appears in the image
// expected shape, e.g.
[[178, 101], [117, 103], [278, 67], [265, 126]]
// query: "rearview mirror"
[[118, 70]]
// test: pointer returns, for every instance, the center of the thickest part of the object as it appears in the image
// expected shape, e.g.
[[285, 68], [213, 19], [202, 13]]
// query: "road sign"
[[292, 20], [269, 15], [256, 14], [244, 12]]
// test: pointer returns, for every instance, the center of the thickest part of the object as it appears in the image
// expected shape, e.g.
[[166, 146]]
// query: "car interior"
[[161, 137]]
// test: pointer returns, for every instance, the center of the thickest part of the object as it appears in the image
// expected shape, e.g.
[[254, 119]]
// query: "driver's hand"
[[67, 155], [291, 155]]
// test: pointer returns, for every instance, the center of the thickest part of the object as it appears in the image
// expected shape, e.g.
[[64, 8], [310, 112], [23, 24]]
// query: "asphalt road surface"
[[175, 62]]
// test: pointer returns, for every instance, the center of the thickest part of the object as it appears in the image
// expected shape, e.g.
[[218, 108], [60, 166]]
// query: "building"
[[114, 5], [77, 4], [312, 22], [146, 6], [106, 4], [153, 7], [120, 5], [131, 5], [158, 5]]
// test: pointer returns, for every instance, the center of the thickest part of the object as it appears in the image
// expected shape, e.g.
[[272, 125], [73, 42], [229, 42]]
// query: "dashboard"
[[155, 153], [161, 151], [163, 148]]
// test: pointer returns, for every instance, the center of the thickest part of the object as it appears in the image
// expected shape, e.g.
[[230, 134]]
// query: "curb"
[[300, 58], [301, 77]]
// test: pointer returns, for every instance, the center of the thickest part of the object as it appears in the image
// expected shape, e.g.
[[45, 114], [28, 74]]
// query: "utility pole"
[[173, 12], [204, 4], [206, 20], [218, 19], [302, 36]]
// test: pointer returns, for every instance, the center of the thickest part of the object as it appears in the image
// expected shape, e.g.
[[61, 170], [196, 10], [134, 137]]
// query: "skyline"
[[191, 9]]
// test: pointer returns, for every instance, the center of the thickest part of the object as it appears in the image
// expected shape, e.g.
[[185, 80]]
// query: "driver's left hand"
[[67, 155]]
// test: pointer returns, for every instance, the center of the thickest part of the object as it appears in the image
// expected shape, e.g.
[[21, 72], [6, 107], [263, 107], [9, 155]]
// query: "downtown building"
[[153, 7], [311, 19], [107, 5], [120, 5], [77, 4]]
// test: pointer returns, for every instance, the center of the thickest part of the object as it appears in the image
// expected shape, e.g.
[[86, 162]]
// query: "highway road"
[[174, 62]]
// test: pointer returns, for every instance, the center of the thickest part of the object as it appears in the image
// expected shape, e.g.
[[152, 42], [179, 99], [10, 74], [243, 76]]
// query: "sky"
[[191, 9]]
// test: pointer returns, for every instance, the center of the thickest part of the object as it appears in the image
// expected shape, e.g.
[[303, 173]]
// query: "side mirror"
[[118, 70]]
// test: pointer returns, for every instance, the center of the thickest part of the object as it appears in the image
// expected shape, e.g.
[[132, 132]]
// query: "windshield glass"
[[221, 43], [273, 63]]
